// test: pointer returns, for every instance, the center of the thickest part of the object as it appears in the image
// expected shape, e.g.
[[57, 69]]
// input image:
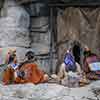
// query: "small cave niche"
[[77, 52]]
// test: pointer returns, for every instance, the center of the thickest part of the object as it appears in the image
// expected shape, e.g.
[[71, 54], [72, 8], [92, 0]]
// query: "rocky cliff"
[[79, 25]]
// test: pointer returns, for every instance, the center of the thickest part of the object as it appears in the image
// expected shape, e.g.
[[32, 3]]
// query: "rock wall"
[[40, 35], [25, 28], [14, 23], [81, 25]]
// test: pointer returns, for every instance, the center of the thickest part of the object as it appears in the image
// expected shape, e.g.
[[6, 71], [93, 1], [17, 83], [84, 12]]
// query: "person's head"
[[30, 55], [68, 51], [87, 51], [86, 48]]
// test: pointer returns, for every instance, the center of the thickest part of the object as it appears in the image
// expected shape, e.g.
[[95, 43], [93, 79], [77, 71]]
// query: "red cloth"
[[88, 60], [93, 75], [8, 76], [32, 74]]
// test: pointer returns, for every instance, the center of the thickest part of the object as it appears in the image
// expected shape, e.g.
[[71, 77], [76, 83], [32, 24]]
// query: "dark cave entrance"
[[77, 53]]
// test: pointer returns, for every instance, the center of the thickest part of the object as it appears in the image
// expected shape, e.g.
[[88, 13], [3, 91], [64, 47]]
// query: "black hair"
[[87, 53], [30, 55]]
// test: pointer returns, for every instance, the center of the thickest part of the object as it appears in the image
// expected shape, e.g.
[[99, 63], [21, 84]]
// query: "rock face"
[[49, 92], [21, 30], [40, 35], [14, 25], [81, 25]]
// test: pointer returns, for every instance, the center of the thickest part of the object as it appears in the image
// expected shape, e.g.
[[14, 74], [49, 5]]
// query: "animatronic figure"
[[91, 65], [29, 71], [69, 64], [10, 71], [69, 71]]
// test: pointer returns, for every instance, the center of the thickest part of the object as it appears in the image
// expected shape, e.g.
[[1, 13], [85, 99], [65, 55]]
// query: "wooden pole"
[[51, 40]]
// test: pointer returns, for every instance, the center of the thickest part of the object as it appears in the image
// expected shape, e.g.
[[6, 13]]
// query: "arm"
[[79, 71], [85, 67], [62, 72]]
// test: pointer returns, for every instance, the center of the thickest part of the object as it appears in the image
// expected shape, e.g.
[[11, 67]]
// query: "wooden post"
[[51, 40]]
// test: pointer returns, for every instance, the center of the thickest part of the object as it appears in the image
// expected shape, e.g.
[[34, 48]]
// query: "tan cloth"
[[62, 72], [8, 76], [64, 76]]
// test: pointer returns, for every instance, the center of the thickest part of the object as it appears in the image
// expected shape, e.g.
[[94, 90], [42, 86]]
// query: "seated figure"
[[69, 64], [91, 65], [29, 71], [69, 68], [26, 72], [9, 72]]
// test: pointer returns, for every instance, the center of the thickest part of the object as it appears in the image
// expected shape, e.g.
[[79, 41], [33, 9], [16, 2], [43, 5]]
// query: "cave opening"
[[77, 53]]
